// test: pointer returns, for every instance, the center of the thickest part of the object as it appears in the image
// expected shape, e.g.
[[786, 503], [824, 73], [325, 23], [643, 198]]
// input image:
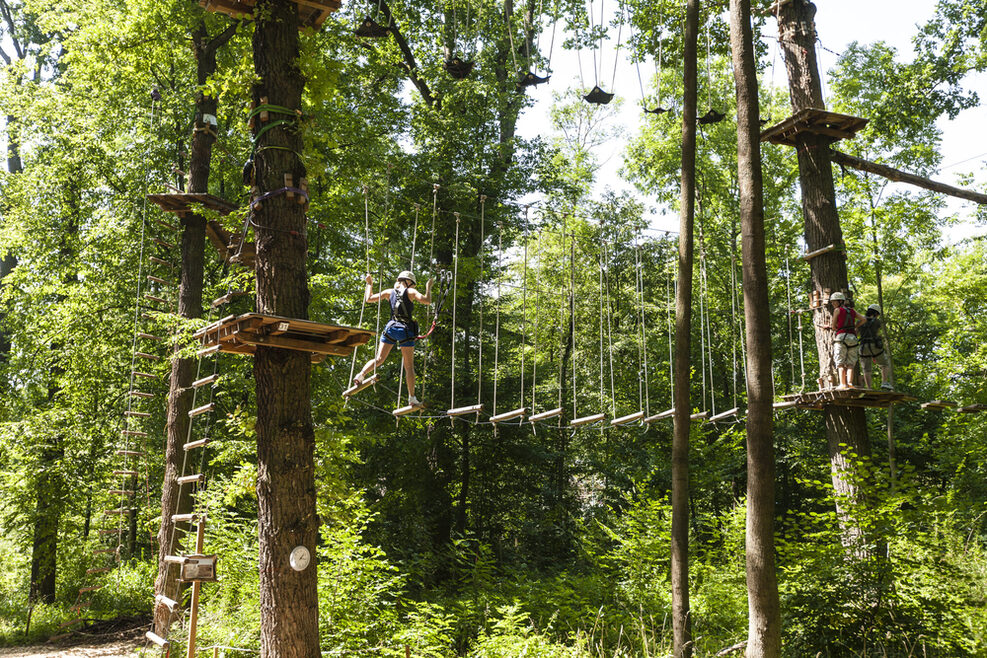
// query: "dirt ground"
[[122, 644]]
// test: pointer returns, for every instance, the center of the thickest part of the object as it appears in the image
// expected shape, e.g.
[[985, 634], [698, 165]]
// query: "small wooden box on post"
[[311, 13]]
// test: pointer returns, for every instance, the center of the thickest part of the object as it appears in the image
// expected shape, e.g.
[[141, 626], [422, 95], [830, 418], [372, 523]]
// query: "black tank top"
[[402, 307]]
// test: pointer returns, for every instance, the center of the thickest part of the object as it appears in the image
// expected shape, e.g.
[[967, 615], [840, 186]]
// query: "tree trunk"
[[48, 506], [287, 516], [9, 261], [681, 620], [174, 498], [764, 616], [846, 427]]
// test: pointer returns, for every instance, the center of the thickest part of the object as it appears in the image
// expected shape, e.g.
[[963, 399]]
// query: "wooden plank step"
[[356, 388], [104, 551], [98, 570], [80, 606], [545, 415], [729, 413], [973, 408], [153, 298], [626, 420], [207, 351], [116, 512], [462, 411], [134, 433], [120, 492], [161, 599], [157, 639], [141, 394], [145, 375], [162, 243], [192, 445], [702, 415], [94, 588], [586, 420], [204, 409], [115, 531], [149, 357], [189, 479], [228, 297], [126, 473], [787, 404], [175, 559], [668, 413], [157, 279], [149, 336], [205, 380], [184, 518], [404, 411], [129, 453], [136, 414], [938, 405], [160, 261], [509, 415]]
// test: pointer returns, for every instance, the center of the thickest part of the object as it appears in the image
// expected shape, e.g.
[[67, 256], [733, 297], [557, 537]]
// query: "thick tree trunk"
[[764, 616], [846, 427], [176, 499], [681, 620], [8, 261], [44, 546], [285, 437]]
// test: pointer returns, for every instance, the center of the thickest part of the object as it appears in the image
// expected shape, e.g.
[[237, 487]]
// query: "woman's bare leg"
[[408, 358], [382, 352]]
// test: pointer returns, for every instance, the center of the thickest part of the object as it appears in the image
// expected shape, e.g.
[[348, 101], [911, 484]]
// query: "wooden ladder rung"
[[545, 415], [626, 420], [462, 411], [114, 531], [154, 298], [778, 406], [205, 380], [162, 243], [136, 414], [668, 413], [126, 473], [586, 420], [702, 415], [175, 559], [157, 639], [145, 375], [204, 409], [149, 357], [192, 445], [94, 588], [404, 411], [70, 622], [509, 415], [134, 433], [98, 570], [161, 599], [116, 512], [157, 279], [120, 492], [148, 336], [356, 388], [80, 606], [167, 225], [104, 551], [129, 453], [724, 415], [189, 479], [206, 351], [141, 394], [183, 518], [159, 261]]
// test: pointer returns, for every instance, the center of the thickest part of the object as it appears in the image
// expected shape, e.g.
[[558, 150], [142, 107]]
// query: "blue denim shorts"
[[398, 333]]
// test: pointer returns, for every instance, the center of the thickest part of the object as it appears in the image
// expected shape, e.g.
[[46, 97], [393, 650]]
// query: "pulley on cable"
[[596, 95], [458, 67], [371, 29]]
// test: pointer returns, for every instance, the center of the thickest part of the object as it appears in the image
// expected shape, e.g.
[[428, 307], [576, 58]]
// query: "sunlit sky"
[[838, 23]]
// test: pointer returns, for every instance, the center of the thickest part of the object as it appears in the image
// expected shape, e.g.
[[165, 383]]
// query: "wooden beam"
[[508, 415], [903, 177], [668, 413], [586, 420], [724, 415], [356, 388], [626, 420], [463, 411], [545, 415]]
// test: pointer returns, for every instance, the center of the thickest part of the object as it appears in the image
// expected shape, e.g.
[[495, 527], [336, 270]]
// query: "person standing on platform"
[[401, 330], [846, 346], [872, 350]]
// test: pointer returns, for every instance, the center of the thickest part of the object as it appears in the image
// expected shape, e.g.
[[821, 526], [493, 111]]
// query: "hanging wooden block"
[[205, 381], [190, 479], [463, 411], [625, 420], [404, 411], [98, 570], [129, 453], [545, 415], [133, 433], [702, 415], [668, 413], [149, 336], [126, 473], [356, 388], [204, 409], [162, 243], [159, 280], [159, 261], [192, 445], [973, 408], [779, 406], [161, 599], [140, 394], [157, 639], [149, 357], [509, 415], [729, 413], [136, 414], [939, 405], [586, 420]]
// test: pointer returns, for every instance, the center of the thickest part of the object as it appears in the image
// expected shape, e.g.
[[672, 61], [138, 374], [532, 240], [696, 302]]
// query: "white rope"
[[455, 285], [479, 366], [500, 256], [613, 395], [363, 297]]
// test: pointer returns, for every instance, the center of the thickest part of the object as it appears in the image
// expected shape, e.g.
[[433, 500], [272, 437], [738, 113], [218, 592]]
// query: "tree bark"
[[764, 615], [174, 498], [681, 621], [287, 515], [846, 427]]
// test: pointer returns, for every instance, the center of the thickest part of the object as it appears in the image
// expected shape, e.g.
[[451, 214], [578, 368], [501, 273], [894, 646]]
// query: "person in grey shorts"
[[846, 347], [872, 350]]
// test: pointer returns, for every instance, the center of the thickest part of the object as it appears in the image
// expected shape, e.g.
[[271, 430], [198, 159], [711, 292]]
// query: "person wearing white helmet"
[[401, 330], [846, 347], [872, 350]]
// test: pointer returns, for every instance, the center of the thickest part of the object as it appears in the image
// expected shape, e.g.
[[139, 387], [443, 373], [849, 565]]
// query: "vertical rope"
[[524, 301], [479, 366], [640, 345], [613, 395], [601, 328], [363, 303], [455, 285], [572, 313], [702, 312], [500, 256], [791, 338], [644, 339], [733, 313], [414, 238], [668, 320]]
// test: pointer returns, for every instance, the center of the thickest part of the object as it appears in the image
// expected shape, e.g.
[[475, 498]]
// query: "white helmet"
[[407, 275], [874, 307], [837, 296]]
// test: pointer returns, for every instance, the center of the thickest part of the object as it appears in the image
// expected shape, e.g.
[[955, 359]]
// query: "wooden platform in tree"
[[311, 13], [831, 125], [181, 203], [850, 397], [243, 334]]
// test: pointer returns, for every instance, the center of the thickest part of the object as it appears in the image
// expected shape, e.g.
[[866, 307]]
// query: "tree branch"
[[9, 19], [410, 65]]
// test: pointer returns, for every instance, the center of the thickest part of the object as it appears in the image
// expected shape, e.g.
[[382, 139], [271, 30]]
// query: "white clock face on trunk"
[[299, 558]]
